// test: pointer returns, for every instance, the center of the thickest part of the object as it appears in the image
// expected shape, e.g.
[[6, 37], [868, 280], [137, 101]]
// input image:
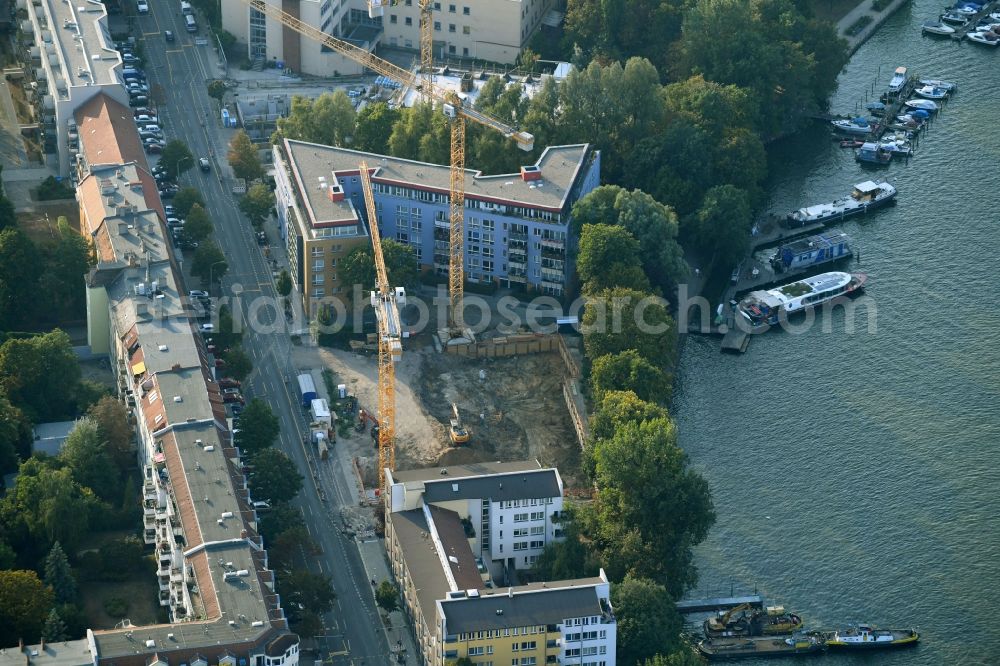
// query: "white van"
[[186, 7], [190, 24]]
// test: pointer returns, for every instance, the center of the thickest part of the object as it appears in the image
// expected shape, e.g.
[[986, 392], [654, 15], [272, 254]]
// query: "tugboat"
[[739, 648], [762, 308], [865, 196], [867, 637], [772, 621]]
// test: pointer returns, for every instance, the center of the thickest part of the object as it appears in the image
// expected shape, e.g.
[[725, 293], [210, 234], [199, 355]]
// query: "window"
[[520, 517], [318, 264], [537, 530], [437, 25], [529, 645], [537, 544], [437, 6], [521, 532], [318, 278], [527, 661], [465, 51], [466, 30], [317, 251], [451, 49], [451, 8], [465, 10], [476, 651], [520, 545], [487, 266], [319, 292], [408, 21], [451, 27], [538, 515], [392, 18]]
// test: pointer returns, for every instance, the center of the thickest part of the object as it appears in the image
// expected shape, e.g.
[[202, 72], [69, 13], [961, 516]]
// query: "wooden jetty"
[[735, 341], [962, 31], [718, 603]]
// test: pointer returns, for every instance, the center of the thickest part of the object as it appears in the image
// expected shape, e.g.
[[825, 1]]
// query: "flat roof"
[[517, 607], [559, 168], [457, 551], [61, 653], [823, 240], [460, 471], [422, 561], [79, 31], [535, 484]]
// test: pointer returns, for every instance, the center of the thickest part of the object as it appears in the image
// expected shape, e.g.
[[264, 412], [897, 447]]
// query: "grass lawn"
[[42, 230], [832, 10], [140, 593]]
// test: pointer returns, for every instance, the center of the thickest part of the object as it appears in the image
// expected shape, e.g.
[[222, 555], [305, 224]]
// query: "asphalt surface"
[[182, 68]]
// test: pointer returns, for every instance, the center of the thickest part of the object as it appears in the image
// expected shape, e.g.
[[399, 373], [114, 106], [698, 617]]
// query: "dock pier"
[[718, 603], [962, 31]]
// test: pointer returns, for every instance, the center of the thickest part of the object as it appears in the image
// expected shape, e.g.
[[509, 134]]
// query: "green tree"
[[373, 126], [681, 656], [567, 559], [609, 258], [243, 157], [651, 509], [50, 505], [122, 557], [401, 266], [114, 430], [8, 558], [217, 89], [627, 371], [274, 477], [421, 133], [616, 320], [722, 224], [24, 605], [257, 203], [15, 435], [284, 284], [302, 590], [647, 619], [58, 575], [67, 262], [292, 541], [54, 629], [386, 596], [328, 120], [226, 335], [41, 375], [176, 158], [185, 199], [238, 363], [209, 263], [20, 268], [198, 225], [259, 427], [280, 518], [616, 408], [86, 454]]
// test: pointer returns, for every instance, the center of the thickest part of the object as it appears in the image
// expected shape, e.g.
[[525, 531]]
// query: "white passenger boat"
[[937, 28], [924, 104], [898, 80], [931, 92], [937, 83], [768, 307], [865, 196], [858, 126]]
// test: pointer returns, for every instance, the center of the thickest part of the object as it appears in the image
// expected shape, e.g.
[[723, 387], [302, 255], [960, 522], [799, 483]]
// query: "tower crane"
[[452, 106], [386, 302], [376, 8]]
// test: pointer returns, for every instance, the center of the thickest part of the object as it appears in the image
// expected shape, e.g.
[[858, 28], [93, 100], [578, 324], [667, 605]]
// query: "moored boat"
[[859, 126], [813, 251], [740, 648], [898, 80], [937, 83], [922, 104], [931, 92], [872, 153], [937, 28], [865, 196], [986, 38], [867, 637], [954, 18], [743, 621], [767, 307]]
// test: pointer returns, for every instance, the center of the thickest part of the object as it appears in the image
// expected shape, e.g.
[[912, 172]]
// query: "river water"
[[855, 475]]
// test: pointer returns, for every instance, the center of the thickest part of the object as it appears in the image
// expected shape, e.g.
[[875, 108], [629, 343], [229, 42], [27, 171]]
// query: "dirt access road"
[[515, 412]]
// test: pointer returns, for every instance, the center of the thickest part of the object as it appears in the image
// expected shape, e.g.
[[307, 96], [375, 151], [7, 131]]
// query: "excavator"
[[734, 622], [458, 432], [772, 621]]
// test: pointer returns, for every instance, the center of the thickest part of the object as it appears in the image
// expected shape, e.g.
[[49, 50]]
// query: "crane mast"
[[450, 103], [386, 302]]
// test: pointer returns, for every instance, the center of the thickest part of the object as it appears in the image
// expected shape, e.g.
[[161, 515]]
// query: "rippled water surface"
[[856, 476]]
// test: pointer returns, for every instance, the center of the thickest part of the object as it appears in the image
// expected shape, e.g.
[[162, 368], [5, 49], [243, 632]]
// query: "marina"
[[877, 403]]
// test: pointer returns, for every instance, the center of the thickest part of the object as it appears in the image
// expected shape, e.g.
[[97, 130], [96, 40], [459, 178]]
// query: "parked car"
[[198, 293], [204, 164], [142, 6], [169, 210], [229, 383], [261, 506], [237, 410], [207, 328], [142, 111], [156, 149], [168, 35], [233, 397], [138, 100], [146, 119]]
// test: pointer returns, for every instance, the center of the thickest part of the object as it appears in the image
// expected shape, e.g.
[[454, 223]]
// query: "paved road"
[[182, 69]]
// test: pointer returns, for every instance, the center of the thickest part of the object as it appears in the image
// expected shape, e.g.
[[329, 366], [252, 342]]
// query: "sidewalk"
[[865, 8], [398, 631]]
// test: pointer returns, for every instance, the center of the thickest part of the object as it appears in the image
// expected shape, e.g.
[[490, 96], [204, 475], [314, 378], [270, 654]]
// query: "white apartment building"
[[493, 30], [70, 48], [511, 510]]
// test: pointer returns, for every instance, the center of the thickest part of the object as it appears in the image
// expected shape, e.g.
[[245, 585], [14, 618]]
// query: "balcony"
[[554, 243], [555, 277], [517, 236]]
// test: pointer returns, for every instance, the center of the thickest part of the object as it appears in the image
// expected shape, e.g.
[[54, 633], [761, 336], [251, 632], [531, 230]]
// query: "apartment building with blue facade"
[[517, 230]]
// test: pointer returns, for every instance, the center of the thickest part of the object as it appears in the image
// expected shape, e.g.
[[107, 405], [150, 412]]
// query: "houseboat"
[[867, 637], [898, 81], [767, 307], [812, 251], [865, 196], [872, 153]]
